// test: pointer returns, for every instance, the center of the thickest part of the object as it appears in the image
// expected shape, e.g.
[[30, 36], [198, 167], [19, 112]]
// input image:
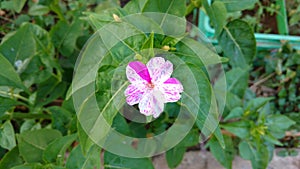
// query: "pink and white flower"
[[152, 86]]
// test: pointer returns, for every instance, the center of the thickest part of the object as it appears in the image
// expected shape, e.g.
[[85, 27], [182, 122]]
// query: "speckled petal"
[[134, 93], [159, 70], [136, 72], [152, 103], [171, 90]]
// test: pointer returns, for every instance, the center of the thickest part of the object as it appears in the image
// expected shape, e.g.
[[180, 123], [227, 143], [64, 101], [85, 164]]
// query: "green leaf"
[[232, 101], [29, 166], [173, 7], [6, 104], [239, 128], [38, 10], [98, 20], [237, 112], [112, 161], [64, 36], [224, 156], [279, 122], [33, 143], [237, 81], [238, 43], [8, 75], [79, 161], [49, 90], [61, 119], [255, 104], [217, 14], [272, 140], [259, 156], [55, 151], [191, 139], [18, 5], [19, 46], [168, 15], [7, 136], [174, 156], [234, 5], [246, 151], [11, 159]]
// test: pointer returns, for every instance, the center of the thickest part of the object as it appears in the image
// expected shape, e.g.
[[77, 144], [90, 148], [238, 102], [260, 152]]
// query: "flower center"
[[150, 85]]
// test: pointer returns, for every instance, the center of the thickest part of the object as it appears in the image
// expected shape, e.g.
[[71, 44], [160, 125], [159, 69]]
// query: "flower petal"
[[171, 90], [134, 93], [159, 70], [137, 71], [152, 103]]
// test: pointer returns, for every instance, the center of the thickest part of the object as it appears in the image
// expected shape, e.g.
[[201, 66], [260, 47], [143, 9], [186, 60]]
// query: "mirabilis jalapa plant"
[[187, 117]]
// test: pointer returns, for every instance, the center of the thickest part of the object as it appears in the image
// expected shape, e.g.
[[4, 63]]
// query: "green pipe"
[[281, 17]]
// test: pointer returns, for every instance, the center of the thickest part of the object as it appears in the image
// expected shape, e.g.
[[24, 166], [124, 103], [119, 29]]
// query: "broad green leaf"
[[191, 139], [61, 119], [19, 46], [8, 75], [55, 151], [259, 156], [6, 104], [207, 118], [233, 101], [11, 159], [29, 166], [223, 156], [112, 161], [217, 14], [31, 50], [79, 161], [173, 7], [238, 128], [272, 140], [120, 124], [196, 55], [255, 104], [169, 15], [238, 43], [98, 20], [237, 81], [18, 5], [30, 124], [49, 90], [38, 10], [7, 136], [234, 5], [64, 36], [174, 156], [246, 151], [237, 112], [278, 124], [33, 143]]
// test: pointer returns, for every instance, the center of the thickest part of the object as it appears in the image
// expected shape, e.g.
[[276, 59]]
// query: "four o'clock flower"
[[152, 86]]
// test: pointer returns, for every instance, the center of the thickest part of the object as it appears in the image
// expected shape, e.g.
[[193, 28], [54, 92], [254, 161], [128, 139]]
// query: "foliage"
[[40, 45]]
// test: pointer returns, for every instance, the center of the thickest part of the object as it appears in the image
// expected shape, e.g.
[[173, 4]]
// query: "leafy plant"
[[41, 41]]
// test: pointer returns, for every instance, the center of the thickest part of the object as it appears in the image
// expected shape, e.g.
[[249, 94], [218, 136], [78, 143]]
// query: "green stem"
[[189, 9], [15, 96]]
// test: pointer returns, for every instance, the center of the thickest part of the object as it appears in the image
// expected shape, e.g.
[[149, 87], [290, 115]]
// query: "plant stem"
[[263, 80], [15, 95]]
